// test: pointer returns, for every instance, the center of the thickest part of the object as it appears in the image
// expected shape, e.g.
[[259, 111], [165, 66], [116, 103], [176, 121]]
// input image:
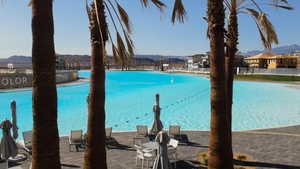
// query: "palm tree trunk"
[[95, 154], [231, 50], [219, 145], [45, 144]]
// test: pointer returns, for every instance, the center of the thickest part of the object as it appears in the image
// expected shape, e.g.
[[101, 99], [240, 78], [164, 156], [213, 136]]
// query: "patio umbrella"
[[157, 124], [13, 107], [162, 160], [8, 146]]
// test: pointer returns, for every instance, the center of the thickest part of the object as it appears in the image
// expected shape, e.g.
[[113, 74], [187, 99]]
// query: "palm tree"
[[45, 144], [95, 154], [220, 133], [222, 83], [220, 151], [267, 35]]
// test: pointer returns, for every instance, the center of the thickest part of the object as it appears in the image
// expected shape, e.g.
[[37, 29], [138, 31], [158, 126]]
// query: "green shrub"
[[204, 161], [239, 167], [241, 157]]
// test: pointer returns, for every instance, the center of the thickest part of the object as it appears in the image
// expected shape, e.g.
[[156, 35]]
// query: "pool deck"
[[270, 148]]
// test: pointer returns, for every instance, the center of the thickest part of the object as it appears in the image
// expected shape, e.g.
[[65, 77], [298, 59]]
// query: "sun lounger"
[[76, 139], [142, 130], [141, 135], [27, 136], [174, 132], [109, 138]]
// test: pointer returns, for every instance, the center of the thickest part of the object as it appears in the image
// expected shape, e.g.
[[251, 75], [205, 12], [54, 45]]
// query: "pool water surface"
[[185, 101]]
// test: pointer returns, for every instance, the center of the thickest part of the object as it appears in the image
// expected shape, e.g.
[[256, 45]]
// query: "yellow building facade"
[[273, 61]]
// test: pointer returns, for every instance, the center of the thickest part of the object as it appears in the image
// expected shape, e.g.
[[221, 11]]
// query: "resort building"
[[198, 61], [272, 61], [295, 53], [60, 63]]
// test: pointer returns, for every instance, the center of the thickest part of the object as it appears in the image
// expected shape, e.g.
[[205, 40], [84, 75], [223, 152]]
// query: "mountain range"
[[278, 50], [281, 50], [14, 59]]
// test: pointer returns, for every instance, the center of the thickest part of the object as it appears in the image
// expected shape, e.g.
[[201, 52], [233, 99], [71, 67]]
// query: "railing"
[[194, 70], [243, 70], [278, 71], [27, 71]]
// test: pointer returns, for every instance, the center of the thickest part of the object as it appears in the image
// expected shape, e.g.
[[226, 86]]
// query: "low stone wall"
[[22, 80]]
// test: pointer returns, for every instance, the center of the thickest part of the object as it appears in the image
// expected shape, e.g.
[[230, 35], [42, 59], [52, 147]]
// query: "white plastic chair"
[[172, 150], [144, 155]]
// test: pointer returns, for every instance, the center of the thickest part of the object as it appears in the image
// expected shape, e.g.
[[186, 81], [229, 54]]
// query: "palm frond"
[[145, 3], [121, 48], [130, 46], [124, 17], [256, 5], [240, 3], [30, 3], [282, 6], [227, 4], [281, 1], [253, 12], [126, 32], [115, 52], [268, 28], [265, 43], [179, 12], [95, 9], [160, 5], [88, 10]]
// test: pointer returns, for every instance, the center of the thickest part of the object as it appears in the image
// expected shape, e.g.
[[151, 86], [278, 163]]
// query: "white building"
[[198, 61], [10, 66]]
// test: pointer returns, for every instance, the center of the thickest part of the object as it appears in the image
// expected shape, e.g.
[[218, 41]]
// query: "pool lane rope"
[[177, 102]]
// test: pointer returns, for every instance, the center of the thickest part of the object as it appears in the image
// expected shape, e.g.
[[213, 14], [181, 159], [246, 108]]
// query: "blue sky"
[[153, 31]]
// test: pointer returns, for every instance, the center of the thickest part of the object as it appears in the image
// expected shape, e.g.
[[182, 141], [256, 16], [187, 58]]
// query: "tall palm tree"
[[220, 153], [95, 154], [222, 70], [45, 144], [267, 34]]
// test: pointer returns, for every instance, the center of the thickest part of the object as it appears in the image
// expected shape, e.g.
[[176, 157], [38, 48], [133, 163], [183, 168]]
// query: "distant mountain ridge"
[[281, 50], [16, 58]]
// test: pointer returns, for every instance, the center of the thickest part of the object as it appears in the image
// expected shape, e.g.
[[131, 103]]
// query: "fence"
[[243, 70], [278, 71]]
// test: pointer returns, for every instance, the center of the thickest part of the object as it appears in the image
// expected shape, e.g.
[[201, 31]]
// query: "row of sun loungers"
[[78, 139], [143, 135]]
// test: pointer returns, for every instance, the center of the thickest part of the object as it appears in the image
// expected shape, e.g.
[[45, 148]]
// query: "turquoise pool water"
[[184, 101]]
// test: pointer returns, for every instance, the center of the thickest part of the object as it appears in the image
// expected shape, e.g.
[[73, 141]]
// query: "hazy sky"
[[153, 31]]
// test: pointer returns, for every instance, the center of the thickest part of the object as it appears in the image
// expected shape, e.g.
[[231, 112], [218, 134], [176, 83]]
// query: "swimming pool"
[[184, 101]]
